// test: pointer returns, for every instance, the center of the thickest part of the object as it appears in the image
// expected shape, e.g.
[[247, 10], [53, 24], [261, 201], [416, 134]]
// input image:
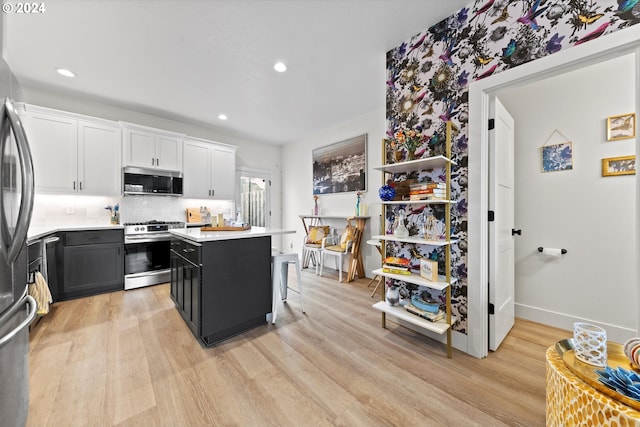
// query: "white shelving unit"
[[439, 327], [417, 165], [416, 279], [413, 239], [444, 282]]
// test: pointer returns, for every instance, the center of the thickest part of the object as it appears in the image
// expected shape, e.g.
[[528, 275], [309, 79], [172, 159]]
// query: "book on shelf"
[[429, 191], [395, 270], [427, 315], [397, 262], [396, 267], [428, 186]]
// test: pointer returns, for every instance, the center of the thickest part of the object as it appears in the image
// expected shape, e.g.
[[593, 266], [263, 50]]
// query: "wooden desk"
[[356, 265]]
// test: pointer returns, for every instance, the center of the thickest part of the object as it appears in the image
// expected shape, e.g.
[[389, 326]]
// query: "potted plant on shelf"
[[410, 140]]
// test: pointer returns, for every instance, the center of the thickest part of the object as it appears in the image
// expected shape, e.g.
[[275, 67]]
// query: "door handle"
[[33, 306], [514, 232], [10, 118]]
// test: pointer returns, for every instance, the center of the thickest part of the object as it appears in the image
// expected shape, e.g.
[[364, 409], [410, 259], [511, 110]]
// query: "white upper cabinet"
[[151, 148], [209, 169], [223, 172], [73, 153], [99, 158], [197, 169]]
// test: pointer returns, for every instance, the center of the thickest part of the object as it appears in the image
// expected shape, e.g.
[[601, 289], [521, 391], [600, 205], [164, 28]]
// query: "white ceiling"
[[191, 60]]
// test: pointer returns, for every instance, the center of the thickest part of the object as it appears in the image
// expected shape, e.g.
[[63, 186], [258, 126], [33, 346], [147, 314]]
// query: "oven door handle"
[[147, 239]]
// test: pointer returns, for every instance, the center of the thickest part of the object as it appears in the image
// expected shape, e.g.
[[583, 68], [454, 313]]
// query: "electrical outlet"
[[70, 210]]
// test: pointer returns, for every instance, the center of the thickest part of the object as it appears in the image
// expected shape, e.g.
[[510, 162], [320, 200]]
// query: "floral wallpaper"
[[427, 84]]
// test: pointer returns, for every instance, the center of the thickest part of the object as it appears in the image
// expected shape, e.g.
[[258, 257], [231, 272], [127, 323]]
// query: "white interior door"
[[501, 239]]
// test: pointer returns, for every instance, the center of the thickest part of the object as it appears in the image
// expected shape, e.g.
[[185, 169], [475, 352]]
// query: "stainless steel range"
[[146, 252]]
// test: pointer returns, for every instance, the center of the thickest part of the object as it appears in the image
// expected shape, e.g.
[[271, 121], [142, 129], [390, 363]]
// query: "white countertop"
[[37, 232], [197, 235]]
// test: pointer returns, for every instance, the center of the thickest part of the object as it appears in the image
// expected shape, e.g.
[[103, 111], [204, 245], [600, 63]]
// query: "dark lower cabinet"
[[185, 282], [221, 288], [92, 263]]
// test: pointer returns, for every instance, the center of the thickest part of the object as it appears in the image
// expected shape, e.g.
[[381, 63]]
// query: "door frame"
[[255, 173], [613, 45]]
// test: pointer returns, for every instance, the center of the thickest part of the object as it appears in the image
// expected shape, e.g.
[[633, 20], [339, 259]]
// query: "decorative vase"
[[315, 207], [386, 193], [400, 230], [590, 343], [392, 296], [411, 154]]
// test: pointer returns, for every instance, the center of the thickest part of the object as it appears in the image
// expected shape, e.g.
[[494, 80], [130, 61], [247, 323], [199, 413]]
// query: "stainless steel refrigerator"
[[17, 308]]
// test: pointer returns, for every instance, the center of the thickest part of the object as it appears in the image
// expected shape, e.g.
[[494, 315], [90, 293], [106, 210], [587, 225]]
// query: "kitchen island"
[[221, 280]]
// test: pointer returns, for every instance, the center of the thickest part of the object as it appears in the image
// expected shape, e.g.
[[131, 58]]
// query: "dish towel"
[[39, 290]]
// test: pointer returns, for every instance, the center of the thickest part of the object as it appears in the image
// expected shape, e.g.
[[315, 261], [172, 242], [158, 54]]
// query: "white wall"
[[593, 217], [249, 154], [297, 187]]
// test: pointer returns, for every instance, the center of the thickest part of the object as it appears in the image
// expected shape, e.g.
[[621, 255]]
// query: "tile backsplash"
[[53, 210]]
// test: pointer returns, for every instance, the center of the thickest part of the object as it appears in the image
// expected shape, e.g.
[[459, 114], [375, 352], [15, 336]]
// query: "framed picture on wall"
[[621, 127], [340, 167], [557, 157], [625, 165]]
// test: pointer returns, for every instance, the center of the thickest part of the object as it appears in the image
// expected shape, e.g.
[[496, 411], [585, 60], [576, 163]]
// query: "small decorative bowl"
[[430, 305]]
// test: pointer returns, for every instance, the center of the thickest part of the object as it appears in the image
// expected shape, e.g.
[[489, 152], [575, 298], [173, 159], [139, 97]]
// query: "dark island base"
[[214, 339], [222, 288]]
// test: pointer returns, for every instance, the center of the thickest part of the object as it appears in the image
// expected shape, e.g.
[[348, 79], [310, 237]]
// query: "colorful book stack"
[[428, 191], [396, 265], [432, 317]]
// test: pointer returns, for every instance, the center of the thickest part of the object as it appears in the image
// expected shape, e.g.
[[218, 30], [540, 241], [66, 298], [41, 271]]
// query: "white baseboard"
[[564, 321]]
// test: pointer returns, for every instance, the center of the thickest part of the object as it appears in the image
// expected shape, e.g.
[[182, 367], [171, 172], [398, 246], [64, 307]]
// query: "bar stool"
[[378, 246], [280, 261]]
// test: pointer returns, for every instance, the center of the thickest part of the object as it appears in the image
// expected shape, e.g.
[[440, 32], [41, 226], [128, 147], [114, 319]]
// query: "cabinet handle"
[[188, 250], [74, 185], [213, 193], [80, 185], [157, 162]]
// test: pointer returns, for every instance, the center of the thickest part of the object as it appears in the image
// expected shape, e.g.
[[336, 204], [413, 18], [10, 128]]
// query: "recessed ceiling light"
[[222, 116], [280, 67], [66, 72]]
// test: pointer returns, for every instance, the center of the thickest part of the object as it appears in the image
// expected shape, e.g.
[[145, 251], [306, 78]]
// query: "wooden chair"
[[377, 277], [312, 245], [338, 246]]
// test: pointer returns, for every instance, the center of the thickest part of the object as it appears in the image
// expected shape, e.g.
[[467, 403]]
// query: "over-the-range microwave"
[[151, 182]]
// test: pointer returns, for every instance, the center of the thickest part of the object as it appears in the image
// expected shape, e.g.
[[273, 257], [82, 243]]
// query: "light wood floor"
[[128, 359]]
